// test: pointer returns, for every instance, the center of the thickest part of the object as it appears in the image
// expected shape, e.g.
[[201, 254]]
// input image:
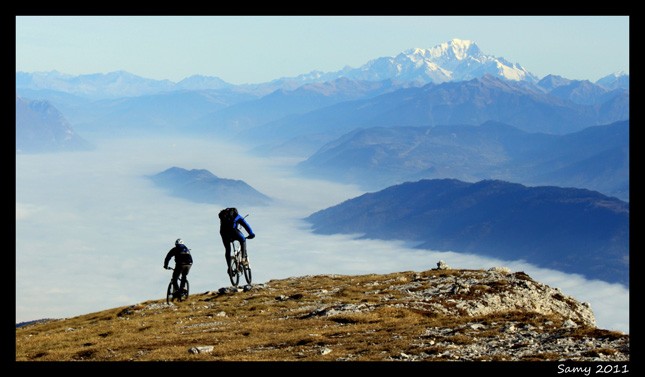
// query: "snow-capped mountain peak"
[[456, 60], [457, 49], [618, 74], [615, 80]]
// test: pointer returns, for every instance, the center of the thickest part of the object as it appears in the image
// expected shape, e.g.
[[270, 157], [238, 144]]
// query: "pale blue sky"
[[252, 49]]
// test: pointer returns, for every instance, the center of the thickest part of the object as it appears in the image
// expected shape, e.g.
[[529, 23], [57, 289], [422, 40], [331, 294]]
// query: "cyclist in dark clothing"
[[183, 262], [229, 220]]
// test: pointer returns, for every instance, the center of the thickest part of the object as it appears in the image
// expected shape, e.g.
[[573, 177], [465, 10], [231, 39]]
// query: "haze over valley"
[[112, 168]]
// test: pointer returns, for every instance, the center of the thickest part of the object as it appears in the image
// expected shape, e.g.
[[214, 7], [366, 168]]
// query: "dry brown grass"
[[298, 319]]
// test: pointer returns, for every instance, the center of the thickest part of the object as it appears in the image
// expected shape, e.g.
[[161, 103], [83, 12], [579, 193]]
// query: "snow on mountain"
[[456, 60], [615, 80], [448, 53]]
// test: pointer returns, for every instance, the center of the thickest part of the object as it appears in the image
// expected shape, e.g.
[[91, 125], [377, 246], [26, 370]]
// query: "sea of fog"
[[92, 231]]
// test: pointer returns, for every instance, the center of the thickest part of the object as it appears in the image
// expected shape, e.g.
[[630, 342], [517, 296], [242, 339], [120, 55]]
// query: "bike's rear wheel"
[[247, 273], [170, 293], [234, 269], [185, 292]]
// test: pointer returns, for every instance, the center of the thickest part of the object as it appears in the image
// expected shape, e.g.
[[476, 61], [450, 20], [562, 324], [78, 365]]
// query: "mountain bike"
[[170, 292], [238, 266]]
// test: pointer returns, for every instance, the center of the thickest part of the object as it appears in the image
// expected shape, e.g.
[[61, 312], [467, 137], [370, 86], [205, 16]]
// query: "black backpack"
[[228, 215], [183, 255]]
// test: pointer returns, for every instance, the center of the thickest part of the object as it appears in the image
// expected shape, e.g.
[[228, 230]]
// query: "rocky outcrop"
[[480, 293]]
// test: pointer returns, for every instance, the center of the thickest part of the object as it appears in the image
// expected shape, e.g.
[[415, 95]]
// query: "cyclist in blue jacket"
[[229, 220]]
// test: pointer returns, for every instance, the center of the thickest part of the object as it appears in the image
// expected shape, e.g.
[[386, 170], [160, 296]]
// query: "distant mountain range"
[[455, 60], [168, 113], [315, 116], [525, 106], [596, 158], [571, 230], [201, 186], [283, 103], [451, 83], [40, 127]]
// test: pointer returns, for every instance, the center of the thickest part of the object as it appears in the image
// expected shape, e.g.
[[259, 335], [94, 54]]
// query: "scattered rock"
[[201, 349]]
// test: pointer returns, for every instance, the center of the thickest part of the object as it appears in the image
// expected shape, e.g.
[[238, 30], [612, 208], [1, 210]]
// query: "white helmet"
[[179, 242]]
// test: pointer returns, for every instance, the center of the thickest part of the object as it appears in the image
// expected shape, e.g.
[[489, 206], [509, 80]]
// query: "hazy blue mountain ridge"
[[93, 86], [338, 107], [201, 186], [474, 102], [615, 80], [168, 113], [596, 157], [41, 127], [550, 82], [454, 60], [583, 92], [165, 113], [615, 108], [453, 84], [201, 82], [566, 229], [288, 103], [479, 87], [301, 111]]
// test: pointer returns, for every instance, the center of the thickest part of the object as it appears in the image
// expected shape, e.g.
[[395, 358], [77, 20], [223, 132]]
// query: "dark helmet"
[[179, 242]]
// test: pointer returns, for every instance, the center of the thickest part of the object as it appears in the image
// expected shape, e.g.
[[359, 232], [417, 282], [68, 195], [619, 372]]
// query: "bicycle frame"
[[237, 267]]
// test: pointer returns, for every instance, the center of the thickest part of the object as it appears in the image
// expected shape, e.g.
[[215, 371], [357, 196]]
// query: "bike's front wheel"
[[234, 271], [169, 294]]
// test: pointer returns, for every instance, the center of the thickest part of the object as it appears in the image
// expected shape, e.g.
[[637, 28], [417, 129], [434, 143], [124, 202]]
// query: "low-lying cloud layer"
[[92, 231]]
